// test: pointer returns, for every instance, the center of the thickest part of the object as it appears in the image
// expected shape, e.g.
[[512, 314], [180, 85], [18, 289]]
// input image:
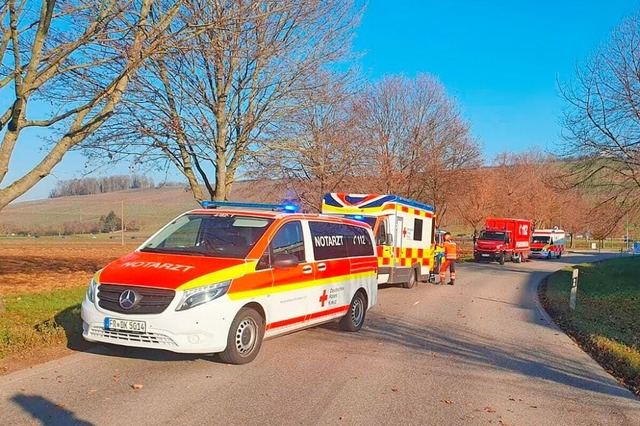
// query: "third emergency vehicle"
[[404, 231], [503, 239]]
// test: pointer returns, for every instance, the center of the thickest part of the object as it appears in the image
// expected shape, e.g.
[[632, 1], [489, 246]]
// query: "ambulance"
[[548, 243], [222, 278], [404, 230]]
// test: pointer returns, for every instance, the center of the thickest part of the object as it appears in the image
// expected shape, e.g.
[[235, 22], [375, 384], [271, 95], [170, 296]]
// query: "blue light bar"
[[289, 208]]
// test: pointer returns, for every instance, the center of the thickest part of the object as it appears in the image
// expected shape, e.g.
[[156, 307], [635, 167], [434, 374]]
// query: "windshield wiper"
[[170, 251]]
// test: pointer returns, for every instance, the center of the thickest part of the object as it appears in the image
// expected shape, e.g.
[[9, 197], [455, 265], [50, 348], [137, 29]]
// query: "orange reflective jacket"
[[450, 250]]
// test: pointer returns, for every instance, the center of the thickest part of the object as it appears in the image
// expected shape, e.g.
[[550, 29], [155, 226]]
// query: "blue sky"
[[500, 59]]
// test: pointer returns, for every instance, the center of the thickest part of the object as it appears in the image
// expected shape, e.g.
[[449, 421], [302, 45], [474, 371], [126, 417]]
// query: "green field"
[[33, 321], [606, 321]]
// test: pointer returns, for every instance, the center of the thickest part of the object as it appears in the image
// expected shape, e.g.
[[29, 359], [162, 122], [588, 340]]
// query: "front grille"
[[149, 300], [157, 339], [536, 249]]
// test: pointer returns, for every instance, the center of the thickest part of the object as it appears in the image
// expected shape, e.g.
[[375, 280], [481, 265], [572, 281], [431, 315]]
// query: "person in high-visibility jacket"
[[450, 255]]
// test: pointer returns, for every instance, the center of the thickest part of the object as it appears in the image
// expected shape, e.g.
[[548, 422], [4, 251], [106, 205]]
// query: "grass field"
[[606, 321]]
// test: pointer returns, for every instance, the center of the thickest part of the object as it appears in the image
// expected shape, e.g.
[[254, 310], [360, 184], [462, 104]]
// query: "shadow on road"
[[482, 351], [47, 412]]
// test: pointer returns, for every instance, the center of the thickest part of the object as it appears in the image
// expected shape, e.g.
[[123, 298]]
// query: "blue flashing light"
[[289, 208], [358, 217]]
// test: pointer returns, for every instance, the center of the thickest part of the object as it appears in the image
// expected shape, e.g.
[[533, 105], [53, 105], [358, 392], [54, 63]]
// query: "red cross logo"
[[324, 297], [404, 232]]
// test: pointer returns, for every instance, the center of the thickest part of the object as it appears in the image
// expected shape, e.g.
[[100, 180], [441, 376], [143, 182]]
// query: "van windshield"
[[493, 235], [538, 239], [216, 235]]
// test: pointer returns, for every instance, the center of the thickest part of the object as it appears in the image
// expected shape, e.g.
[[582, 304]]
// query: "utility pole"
[[122, 222]]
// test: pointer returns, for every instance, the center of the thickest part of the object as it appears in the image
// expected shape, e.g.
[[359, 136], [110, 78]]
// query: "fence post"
[[574, 289]]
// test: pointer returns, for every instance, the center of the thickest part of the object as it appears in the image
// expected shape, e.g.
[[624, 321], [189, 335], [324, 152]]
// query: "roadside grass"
[[39, 320], [606, 322]]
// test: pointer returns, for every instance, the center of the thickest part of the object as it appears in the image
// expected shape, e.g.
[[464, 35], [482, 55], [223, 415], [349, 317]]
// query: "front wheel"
[[245, 337], [559, 254], [354, 319], [501, 258], [517, 258]]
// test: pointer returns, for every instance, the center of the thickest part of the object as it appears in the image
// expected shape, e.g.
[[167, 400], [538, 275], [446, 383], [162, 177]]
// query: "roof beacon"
[[289, 208]]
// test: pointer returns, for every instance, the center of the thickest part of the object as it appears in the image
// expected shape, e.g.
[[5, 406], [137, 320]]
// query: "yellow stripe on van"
[[230, 273], [297, 286], [355, 210]]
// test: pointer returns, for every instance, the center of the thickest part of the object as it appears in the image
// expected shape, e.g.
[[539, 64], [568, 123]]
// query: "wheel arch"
[[363, 290], [258, 308]]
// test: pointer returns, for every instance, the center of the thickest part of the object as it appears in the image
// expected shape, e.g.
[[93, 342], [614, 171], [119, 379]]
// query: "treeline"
[[88, 186]]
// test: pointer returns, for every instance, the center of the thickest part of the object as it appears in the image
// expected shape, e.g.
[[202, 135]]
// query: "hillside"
[[150, 208]]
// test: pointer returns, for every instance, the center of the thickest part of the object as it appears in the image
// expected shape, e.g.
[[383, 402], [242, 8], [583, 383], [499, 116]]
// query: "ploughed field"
[[30, 265]]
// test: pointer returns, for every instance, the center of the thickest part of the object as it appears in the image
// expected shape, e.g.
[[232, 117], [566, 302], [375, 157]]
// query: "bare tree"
[[414, 140], [78, 56], [313, 150], [204, 106], [602, 125]]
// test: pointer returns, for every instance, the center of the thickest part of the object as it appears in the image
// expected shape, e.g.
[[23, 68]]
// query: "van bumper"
[[203, 329]]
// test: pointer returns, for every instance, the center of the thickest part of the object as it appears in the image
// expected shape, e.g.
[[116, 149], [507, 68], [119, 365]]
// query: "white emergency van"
[[548, 243], [222, 278]]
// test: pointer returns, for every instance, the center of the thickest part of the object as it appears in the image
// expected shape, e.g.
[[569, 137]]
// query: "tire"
[[354, 319], [559, 254], [517, 258], [549, 255], [245, 338], [501, 258], [412, 281]]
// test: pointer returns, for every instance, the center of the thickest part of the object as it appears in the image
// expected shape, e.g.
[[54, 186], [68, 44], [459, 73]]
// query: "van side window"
[[339, 240], [329, 240], [288, 240], [417, 230], [359, 242]]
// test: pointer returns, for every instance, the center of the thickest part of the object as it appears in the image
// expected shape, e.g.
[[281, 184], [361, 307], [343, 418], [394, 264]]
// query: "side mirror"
[[389, 239], [285, 261]]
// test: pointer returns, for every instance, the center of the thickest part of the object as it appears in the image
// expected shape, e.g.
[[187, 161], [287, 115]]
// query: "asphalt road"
[[479, 352]]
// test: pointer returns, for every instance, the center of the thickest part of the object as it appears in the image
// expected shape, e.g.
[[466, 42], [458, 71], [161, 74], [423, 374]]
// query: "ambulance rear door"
[[385, 247]]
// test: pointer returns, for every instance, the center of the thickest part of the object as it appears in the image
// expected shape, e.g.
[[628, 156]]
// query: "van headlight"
[[91, 291], [198, 296]]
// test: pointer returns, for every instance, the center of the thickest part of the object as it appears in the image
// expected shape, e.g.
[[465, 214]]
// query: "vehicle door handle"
[[307, 269], [322, 266]]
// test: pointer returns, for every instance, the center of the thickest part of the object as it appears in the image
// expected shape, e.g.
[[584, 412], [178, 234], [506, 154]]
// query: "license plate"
[[485, 255], [125, 325]]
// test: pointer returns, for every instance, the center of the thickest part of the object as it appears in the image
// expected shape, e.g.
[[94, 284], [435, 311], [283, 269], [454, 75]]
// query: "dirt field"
[[29, 265]]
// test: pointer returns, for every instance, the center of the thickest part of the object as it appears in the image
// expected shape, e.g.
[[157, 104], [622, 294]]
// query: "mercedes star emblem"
[[128, 299]]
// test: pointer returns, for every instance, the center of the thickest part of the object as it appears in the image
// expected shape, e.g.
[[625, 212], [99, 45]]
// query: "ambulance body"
[[404, 231], [219, 280], [548, 243]]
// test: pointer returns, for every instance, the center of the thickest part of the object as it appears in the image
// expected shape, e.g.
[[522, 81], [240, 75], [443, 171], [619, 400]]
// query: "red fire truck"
[[503, 239]]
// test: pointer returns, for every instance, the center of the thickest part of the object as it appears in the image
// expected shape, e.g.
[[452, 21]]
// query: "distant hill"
[[150, 208]]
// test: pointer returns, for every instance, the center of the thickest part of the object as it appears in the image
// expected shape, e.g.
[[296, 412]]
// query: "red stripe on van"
[[333, 311], [315, 315]]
